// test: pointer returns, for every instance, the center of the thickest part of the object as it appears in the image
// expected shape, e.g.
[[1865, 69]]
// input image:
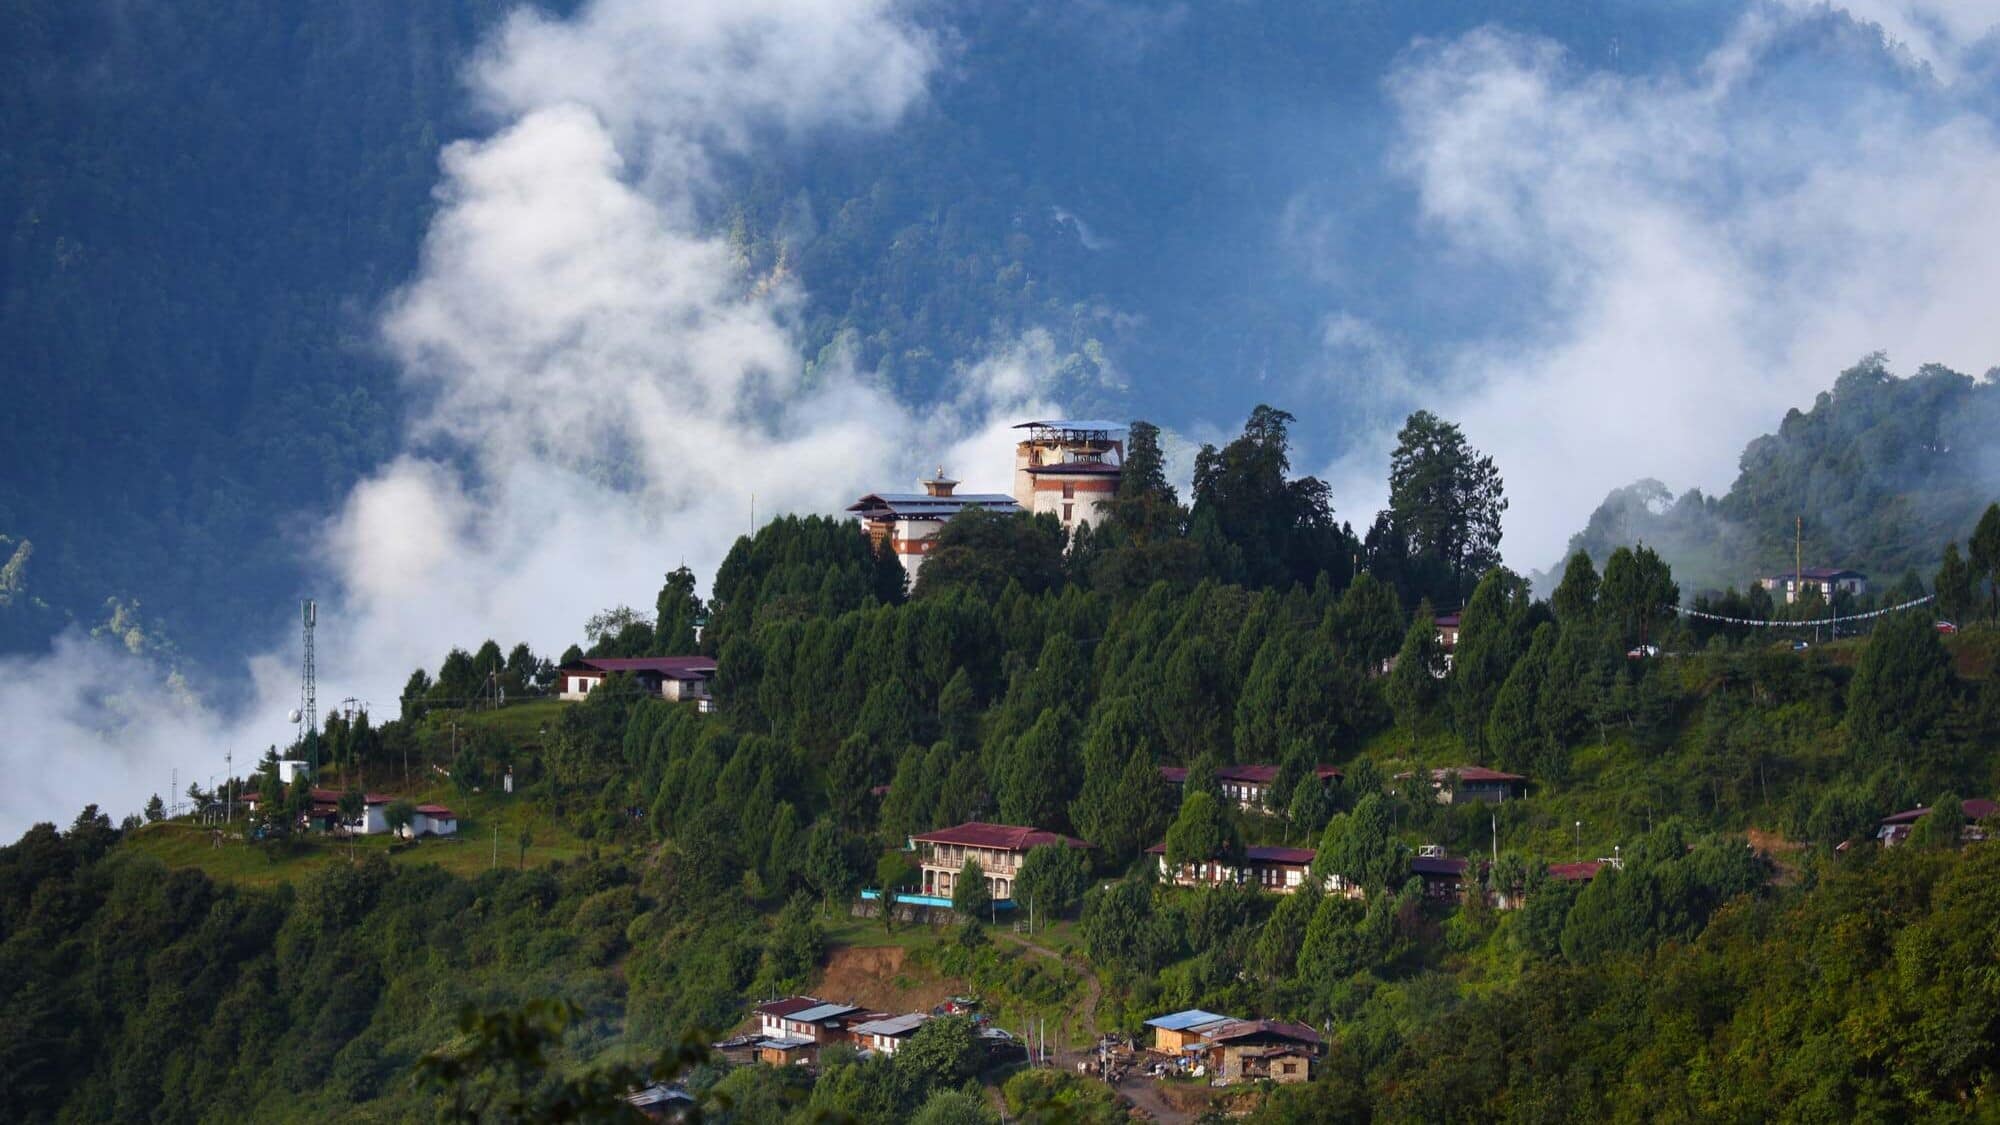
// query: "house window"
[[1067, 508], [1069, 490]]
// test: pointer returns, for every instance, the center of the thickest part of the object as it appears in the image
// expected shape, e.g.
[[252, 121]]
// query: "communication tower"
[[308, 701]]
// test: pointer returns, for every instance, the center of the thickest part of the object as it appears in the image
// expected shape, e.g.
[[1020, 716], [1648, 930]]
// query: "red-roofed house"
[[1248, 785], [674, 678], [432, 820], [1894, 829], [997, 848], [1444, 876], [374, 818], [1283, 870]]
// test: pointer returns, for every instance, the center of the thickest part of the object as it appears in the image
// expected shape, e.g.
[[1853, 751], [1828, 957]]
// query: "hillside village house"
[[1458, 784], [1444, 876], [432, 820], [1246, 1050], [677, 679], [325, 813], [1792, 585], [1269, 868], [1894, 829], [997, 848], [1237, 1049], [1248, 785], [889, 1034]]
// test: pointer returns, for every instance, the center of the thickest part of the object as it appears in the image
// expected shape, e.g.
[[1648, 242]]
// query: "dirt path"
[[1093, 991], [1147, 1097]]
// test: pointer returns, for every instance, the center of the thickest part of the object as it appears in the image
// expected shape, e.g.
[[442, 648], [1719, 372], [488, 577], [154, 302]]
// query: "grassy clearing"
[[489, 824]]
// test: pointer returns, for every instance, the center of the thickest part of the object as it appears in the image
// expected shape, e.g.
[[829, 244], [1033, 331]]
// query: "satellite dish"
[[292, 716]]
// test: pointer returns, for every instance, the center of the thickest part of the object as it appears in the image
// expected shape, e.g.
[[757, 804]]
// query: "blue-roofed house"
[[1172, 1033]]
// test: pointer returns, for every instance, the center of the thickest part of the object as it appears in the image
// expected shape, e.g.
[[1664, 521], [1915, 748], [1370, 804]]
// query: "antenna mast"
[[308, 689]]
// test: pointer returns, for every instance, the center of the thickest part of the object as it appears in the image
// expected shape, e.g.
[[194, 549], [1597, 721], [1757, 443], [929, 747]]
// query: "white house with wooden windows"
[[998, 849], [676, 679]]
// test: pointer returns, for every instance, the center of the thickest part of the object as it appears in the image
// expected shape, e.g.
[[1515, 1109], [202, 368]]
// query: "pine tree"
[[1513, 732], [1485, 652], [1903, 685], [1575, 599], [1955, 595], [1985, 557], [1416, 683]]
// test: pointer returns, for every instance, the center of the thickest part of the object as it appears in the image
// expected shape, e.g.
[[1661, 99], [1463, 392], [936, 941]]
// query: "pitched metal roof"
[[673, 667], [923, 506], [893, 1026], [1004, 837], [1182, 1021], [1261, 853], [1474, 773], [1438, 865], [823, 1012], [1071, 424], [788, 1005], [1277, 1029], [1974, 808], [1575, 872]]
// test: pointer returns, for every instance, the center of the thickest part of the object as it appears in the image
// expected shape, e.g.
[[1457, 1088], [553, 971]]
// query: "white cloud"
[[603, 387], [1705, 256]]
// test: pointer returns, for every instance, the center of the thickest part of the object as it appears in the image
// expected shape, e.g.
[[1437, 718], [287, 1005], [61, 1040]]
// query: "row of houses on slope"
[[323, 814]]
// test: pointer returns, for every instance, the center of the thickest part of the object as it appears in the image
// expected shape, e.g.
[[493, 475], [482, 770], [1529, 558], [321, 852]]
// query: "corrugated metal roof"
[[918, 505], [788, 1005], [894, 1025], [1071, 424], [1182, 1021], [1005, 837], [823, 1012]]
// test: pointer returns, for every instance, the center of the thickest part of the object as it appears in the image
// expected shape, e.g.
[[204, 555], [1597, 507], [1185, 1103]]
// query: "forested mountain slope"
[[1881, 469], [690, 861]]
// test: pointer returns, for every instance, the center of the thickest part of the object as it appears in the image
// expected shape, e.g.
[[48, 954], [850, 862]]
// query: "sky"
[[1707, 248], [605, 391]]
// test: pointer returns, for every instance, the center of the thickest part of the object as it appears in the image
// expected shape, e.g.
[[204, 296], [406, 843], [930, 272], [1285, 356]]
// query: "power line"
[[1760, 623]]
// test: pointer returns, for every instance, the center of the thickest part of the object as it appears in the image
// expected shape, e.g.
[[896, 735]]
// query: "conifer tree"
[[1984, 548], [1955, 596], [1416, 683]]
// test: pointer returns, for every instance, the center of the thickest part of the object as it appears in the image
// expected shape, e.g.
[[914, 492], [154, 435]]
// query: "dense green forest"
[[713, 853]]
